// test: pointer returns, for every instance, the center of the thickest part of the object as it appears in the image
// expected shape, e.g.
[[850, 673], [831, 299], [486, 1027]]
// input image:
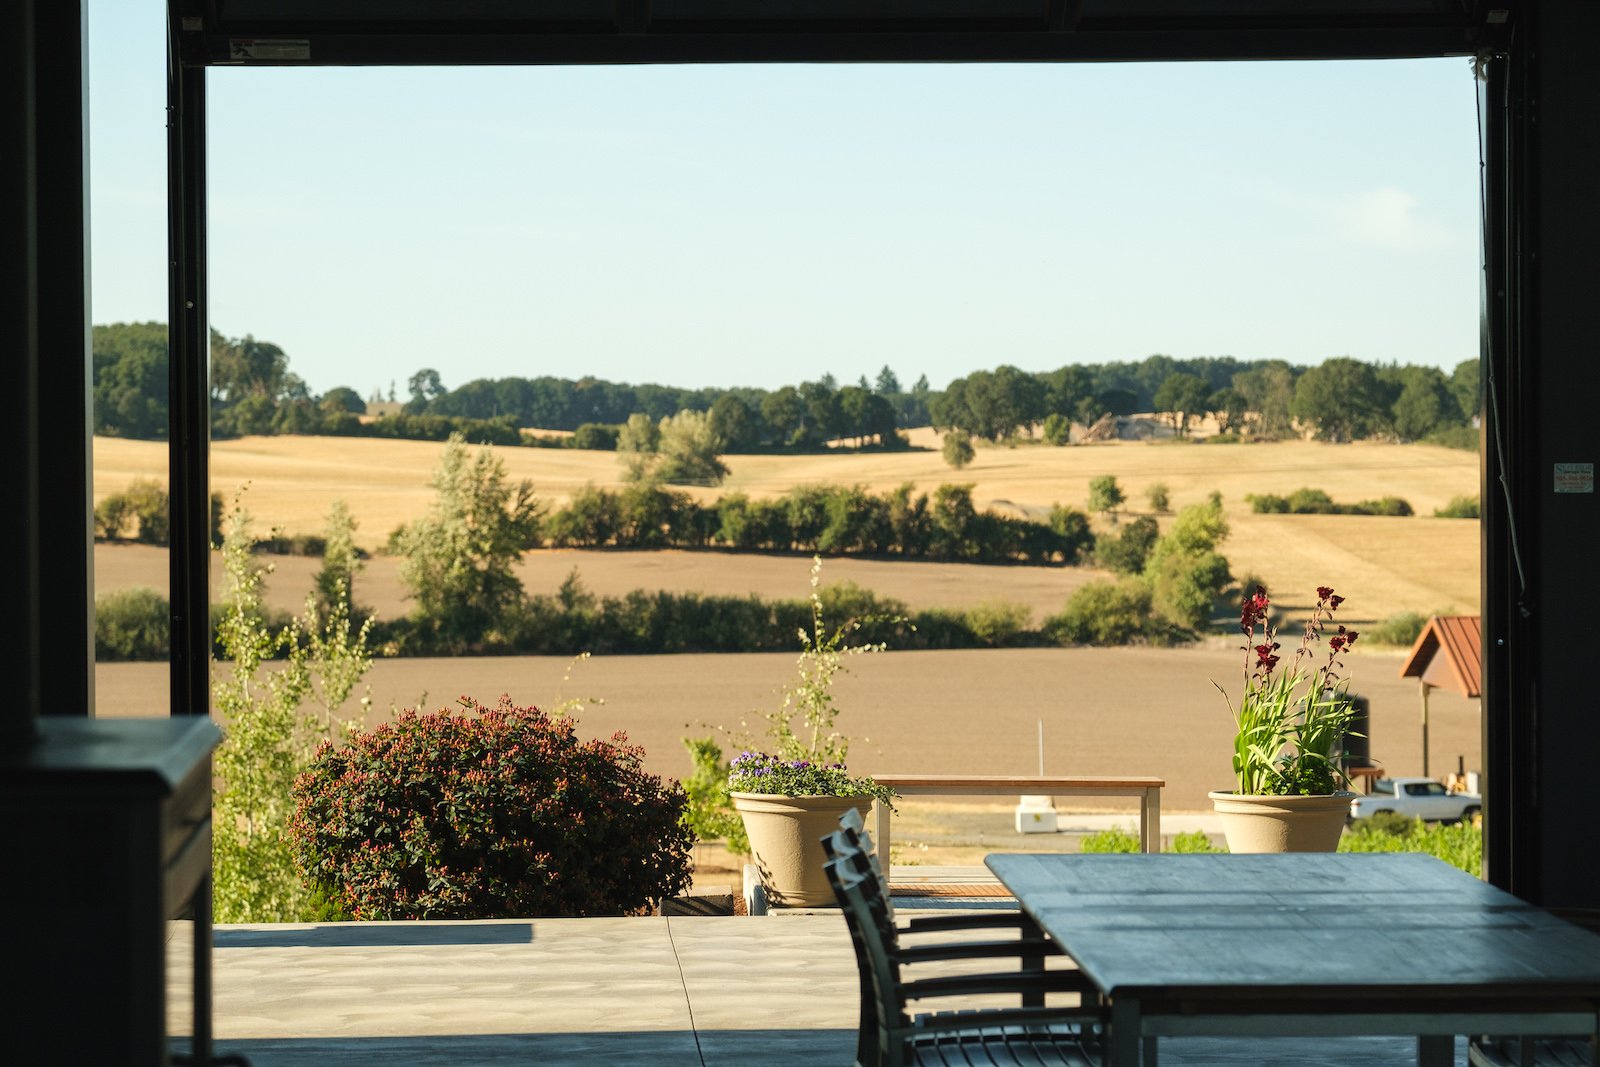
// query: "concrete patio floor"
[[660, 992]]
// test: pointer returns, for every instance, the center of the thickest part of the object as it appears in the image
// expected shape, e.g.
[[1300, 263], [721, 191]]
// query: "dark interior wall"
[[1561, 532]]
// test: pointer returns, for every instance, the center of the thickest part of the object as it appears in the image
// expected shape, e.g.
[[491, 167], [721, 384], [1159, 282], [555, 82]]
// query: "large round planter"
[[786, 843], [1282, 824]]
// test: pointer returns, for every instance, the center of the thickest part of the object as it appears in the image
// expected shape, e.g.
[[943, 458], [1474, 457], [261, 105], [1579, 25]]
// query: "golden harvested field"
[[1383, 564], [1105, 711]]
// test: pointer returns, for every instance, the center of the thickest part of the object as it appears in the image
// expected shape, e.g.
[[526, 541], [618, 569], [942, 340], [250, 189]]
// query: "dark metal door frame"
[[198, 40]]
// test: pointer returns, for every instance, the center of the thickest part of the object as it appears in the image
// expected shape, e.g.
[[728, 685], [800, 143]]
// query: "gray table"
[[1308, 944]]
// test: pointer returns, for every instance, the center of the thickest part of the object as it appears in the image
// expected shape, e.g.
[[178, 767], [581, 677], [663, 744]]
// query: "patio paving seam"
[[688, 1002]]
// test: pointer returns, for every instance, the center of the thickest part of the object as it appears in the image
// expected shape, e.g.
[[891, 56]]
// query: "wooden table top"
[[1298, 926]]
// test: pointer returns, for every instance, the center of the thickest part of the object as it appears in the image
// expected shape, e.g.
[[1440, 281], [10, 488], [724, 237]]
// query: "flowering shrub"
[[1291, 722], [757, 772], [498, 813]]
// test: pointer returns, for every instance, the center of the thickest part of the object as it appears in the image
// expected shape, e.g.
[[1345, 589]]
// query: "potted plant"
[[792, 795], [1290, 726]]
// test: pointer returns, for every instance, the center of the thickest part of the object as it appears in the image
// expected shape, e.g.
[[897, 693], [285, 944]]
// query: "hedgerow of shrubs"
[[1317, 502], [1402, 628], [141, 510], [574, 620], [1127, 552], [838, 520], [497, 813], [132, 624], [1459, 844], [1108, 613], [1460, 507]]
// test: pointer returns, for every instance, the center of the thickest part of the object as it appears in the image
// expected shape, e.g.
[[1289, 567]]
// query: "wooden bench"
[[1148, 790]]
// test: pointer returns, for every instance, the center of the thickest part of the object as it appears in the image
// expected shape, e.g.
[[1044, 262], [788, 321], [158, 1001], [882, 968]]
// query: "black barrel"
[[1358, 738]]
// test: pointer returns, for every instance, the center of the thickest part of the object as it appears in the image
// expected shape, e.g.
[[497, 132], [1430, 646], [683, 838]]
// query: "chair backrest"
[[852, 824], [872, 932]]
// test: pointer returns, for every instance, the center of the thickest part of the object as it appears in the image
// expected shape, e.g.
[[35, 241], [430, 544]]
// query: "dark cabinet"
[[107, 836]]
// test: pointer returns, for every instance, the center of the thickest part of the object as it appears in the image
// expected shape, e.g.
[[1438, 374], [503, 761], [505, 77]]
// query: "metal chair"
[[852, 826], [1032, 1034], [1030, 945]]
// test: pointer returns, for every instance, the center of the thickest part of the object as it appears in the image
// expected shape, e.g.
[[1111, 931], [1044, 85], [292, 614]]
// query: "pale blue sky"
[[762, 225]]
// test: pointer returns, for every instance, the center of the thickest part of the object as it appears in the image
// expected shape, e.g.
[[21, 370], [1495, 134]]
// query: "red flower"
[[1335, 643], [1335, 601], [1253, 610], [1324, 592], [1350, 638]]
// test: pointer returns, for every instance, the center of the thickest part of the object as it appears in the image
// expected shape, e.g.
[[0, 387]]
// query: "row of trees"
[[1340, 400], [254, 392], [460, 560], [803, 416], [839, 520]]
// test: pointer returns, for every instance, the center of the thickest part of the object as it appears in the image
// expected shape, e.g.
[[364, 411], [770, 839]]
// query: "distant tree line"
[[837, 520], [254, 392], [1340, 400], [797, 417]]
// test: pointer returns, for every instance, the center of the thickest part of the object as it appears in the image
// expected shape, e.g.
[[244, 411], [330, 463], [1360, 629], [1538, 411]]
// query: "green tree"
[[148, 502], [992, 405], [335, 582], [1424, 405], [111, 517], [1268, 391], [1071, 528], [459, 560], [958, 450], [887, 382], [425, 386], [1342, 398], [689, 449], [735, 424], [784, 410], [1126, 554], [1057, 428], [637, 445], [1105, 495], [1066, 388], [1465, 387], [1184, 569], [249, 380], [1229, 406], [273, 716], [823, 418], [343, 398], [1182, 397], [1160, 497], [130, 380]]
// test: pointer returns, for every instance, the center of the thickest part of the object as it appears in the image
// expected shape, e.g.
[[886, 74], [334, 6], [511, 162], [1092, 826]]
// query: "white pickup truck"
[[1416, 798]]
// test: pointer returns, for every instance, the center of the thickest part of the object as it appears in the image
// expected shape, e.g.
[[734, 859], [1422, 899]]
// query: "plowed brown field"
[[1105, 711]]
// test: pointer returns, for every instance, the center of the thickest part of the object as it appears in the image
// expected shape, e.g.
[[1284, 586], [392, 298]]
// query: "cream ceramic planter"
[[786, 842], [1282, 824]]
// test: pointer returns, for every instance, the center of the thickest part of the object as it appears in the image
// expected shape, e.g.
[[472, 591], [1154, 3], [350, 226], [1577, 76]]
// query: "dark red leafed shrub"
[[497, 813]]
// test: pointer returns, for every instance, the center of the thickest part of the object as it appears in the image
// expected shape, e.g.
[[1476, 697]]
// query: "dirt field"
[[1384, 565], [1105, 711]]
